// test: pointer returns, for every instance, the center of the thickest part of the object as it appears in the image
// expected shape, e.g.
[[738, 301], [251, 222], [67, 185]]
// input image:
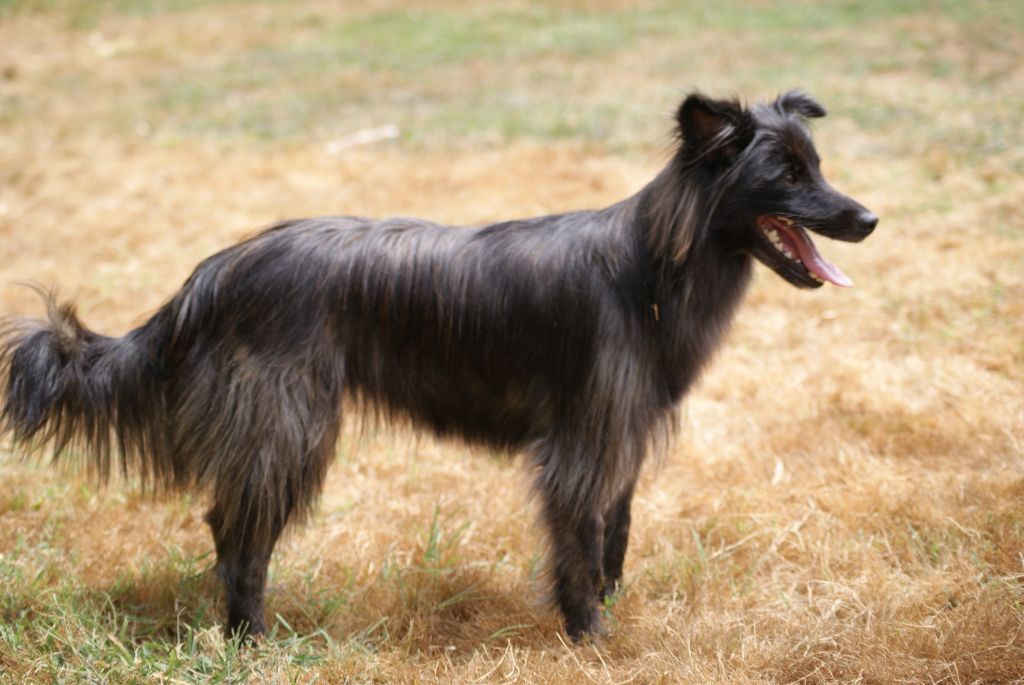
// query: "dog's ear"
[[799, 102], [714, 130]]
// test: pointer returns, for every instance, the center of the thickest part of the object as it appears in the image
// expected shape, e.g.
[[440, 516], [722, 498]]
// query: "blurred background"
[[845, 500]]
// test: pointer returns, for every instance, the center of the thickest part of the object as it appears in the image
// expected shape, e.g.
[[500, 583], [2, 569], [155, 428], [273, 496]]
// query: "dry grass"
[[846, 499]]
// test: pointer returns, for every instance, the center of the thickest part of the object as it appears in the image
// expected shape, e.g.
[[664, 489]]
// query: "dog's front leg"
[[616, 538], [577, 541]]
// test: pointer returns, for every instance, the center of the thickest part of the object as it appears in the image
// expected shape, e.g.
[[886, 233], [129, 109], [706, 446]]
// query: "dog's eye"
[[791, 178]]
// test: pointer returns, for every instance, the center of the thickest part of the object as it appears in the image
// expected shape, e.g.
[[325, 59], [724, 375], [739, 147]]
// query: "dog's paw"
[[586, 627]]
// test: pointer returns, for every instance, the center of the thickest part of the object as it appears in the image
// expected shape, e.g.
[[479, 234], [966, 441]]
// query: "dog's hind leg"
[[247, 523], [263, 435], [242, 560], [616, 539]]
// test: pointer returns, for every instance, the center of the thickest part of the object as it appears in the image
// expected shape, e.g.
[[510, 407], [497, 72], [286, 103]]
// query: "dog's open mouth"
[[790, 240]]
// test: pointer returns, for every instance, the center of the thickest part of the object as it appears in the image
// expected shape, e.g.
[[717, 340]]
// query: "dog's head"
[[763, 169]]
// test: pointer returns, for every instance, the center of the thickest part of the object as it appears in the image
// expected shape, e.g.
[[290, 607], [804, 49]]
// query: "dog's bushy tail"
[[85, 394]]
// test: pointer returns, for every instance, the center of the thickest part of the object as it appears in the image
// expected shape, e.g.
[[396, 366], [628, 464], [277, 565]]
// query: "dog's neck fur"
[[695, 278]]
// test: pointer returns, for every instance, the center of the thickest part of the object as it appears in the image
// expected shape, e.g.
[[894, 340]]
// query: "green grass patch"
[[158, 623], [538, 72]]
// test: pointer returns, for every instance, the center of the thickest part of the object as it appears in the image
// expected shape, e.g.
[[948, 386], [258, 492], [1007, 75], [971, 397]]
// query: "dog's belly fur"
[[452, 400]]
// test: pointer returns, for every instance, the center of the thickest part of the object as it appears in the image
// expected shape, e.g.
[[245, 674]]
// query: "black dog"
[[569, 337]]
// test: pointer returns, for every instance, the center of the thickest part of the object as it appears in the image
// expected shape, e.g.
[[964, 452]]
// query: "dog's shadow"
[[179, 600]]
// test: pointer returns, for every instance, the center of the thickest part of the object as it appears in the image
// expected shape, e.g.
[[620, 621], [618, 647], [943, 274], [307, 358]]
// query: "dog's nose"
[[868, 221]]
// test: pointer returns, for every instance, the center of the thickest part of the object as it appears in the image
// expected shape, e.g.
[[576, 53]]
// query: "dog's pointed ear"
[[799, 102], [714, 130]]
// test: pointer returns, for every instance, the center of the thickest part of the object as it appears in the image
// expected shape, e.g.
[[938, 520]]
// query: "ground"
[[844, 500]]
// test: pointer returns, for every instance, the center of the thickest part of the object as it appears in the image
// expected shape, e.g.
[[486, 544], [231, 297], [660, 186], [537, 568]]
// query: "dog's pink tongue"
[[813, 260]]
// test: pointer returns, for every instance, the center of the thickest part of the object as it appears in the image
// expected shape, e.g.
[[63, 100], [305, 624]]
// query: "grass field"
[[845, 499]]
